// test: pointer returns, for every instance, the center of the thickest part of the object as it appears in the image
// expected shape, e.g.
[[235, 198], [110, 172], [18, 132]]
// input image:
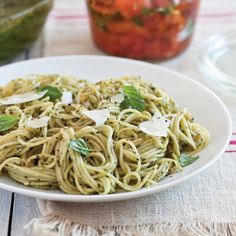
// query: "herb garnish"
[[133, 99], [185, 159], [80, 146], [165, 10], [147, 11], [52, 92], [100, 22], [7, 122], [138, 20]]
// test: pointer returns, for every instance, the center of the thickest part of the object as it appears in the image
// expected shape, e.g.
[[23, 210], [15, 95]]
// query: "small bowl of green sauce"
[[20, 24]]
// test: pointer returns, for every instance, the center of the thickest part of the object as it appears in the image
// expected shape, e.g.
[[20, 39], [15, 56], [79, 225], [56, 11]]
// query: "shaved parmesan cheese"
[[119, 98], [156, 115], [35, 84], [159, 116], [98, 116], [22, 98], [158, 126], [66, 98], [37, 123], [80, 85]]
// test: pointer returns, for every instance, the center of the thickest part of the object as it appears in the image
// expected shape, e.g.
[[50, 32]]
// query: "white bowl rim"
[[31, 192]]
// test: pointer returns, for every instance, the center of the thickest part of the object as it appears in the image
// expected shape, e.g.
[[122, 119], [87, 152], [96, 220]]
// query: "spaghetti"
[[117, 155]]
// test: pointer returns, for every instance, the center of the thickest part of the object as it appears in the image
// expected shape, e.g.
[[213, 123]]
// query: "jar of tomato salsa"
[[143, 29]]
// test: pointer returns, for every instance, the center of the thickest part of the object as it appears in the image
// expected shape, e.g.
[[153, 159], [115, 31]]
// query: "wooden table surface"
[[17, 210]]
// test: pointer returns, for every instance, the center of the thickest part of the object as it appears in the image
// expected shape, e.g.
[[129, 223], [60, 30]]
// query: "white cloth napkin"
[[204, 205]]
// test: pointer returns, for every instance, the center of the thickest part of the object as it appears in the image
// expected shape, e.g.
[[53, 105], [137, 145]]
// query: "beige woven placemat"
[[204, 205]]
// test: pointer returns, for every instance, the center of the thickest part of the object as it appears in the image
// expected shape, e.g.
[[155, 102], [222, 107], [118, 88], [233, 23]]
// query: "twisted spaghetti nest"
[[122, 157]]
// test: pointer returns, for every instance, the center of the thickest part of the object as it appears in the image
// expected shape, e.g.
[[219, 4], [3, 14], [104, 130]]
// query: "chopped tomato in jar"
[[131, 8], [143, 29]]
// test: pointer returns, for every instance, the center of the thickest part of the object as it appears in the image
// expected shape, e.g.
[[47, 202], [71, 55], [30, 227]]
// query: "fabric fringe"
[[52, 225]]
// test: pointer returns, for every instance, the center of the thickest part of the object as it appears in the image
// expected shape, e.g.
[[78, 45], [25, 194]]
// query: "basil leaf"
[[133, 99], [80, 146], [138, 20], [52, 92], [7, 122], [147, 11], [100, 23], [185, 159], [165, 11]]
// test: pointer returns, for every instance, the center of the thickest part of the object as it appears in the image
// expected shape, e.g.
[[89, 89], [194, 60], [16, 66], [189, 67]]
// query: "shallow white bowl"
[[206, 107]]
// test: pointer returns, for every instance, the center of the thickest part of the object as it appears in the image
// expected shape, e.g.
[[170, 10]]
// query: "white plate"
[[206, 107]]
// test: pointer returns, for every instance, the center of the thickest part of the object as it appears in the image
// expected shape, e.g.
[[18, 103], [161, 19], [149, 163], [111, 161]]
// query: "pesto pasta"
[[116, 135]]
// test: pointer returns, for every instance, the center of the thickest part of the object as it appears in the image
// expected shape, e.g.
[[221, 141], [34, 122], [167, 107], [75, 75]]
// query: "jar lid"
[[217, 60]]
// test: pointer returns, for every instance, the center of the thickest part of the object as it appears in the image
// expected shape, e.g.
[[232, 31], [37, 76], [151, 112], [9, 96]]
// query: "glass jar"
[[143, 29], [20, 24]]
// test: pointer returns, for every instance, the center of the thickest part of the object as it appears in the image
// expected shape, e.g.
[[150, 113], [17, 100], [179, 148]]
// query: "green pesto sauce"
[[18, 31]]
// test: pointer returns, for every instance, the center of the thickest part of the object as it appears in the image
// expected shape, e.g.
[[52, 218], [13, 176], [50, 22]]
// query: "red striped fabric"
[[232, 145]]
